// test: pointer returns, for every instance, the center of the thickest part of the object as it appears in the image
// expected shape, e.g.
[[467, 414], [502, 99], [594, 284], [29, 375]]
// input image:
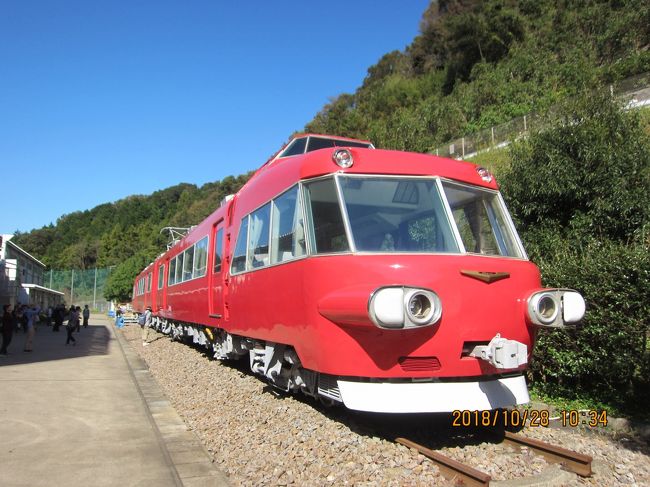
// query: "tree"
[[119, 285]]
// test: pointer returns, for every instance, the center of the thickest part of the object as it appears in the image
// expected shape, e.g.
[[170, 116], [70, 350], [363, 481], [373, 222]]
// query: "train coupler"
[[502, 353]]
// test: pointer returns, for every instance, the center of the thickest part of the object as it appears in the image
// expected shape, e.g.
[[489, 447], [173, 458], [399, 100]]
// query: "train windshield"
[[397, 215], [409, 215]]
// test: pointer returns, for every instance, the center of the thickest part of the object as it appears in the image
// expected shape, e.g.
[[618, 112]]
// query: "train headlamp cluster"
[[485, 174], [343, 158], [556, 307], [402, 307]]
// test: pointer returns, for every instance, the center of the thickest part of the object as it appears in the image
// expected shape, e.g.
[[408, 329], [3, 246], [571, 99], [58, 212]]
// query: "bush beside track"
[[580, 196]]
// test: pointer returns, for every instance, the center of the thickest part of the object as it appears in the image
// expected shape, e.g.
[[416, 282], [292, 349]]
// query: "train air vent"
[[419, 364], [328, 386]]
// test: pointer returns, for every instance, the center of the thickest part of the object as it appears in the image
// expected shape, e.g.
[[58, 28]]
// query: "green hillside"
[[481, 63]]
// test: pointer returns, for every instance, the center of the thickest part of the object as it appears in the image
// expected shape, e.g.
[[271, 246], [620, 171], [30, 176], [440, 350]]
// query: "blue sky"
[[101, 100]]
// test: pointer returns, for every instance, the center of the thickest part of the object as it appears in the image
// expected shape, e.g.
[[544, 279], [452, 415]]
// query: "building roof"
[[41, 288], [7, 241]]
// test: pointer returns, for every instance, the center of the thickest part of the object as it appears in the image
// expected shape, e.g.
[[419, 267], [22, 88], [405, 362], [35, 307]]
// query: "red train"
[[387, 281]]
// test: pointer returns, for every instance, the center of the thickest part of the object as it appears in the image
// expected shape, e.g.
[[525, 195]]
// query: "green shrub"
[[606, 357], [580, 193]]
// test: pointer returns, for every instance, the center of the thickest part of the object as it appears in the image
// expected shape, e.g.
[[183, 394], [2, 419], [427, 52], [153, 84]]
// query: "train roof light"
[[342, 158], [485, 174]]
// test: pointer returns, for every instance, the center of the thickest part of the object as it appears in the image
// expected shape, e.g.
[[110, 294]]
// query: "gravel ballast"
[[260, 437]]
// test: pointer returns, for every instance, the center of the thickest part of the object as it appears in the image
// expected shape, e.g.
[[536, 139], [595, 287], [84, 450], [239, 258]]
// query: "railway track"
[[456, 471]]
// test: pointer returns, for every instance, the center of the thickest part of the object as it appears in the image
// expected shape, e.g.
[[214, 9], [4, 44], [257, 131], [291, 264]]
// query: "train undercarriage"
[[277, 363], [280, 366]]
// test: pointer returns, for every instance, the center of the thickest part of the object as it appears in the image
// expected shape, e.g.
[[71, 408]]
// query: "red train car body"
[[387, 281]]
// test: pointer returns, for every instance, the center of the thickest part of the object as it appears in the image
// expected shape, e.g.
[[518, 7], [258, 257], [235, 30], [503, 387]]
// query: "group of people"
[[25, 317]]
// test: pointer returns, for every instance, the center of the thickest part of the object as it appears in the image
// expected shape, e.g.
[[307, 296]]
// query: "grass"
[[559, 403]]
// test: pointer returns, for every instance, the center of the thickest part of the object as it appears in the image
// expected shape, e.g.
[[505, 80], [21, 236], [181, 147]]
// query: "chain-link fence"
[[634, 91], [80, 287]]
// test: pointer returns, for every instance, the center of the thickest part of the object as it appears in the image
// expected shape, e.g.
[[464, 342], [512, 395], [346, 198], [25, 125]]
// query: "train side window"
[[316, 143], [327, 233], [161, 276], [179, 268], [188, 262], [258, 237], [218, 250], [171, 279], [200, 257], [287, 236], [239, 258], [149, 279], [295, 148]]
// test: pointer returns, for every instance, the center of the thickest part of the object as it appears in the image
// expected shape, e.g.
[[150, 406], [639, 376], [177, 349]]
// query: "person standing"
[[73, 321], [145, 328], [86, 315], [18, 318], [59, 313], [119, 320], [78, 315], [30, 315], [7, 328]]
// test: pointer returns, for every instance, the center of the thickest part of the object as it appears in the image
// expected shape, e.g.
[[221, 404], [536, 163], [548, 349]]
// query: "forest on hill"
[[578, 190], [477, 64]]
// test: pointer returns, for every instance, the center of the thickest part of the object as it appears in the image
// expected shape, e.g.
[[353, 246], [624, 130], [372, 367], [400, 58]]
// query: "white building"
[[21, 277]]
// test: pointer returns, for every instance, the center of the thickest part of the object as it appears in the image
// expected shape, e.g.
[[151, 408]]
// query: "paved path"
[[91, 415]]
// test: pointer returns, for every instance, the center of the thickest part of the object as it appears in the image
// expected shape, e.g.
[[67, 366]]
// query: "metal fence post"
[[95, 290]]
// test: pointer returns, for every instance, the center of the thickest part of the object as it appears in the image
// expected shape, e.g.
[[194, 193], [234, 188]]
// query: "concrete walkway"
[[91, 414]]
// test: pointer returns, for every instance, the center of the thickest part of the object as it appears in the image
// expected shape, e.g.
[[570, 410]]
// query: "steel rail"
[[570, 460], [451, 469]]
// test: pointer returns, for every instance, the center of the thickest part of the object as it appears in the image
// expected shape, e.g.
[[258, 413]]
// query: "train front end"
[[424, 298]]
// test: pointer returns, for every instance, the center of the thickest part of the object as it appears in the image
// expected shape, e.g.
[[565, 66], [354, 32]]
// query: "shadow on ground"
[[49, 345]]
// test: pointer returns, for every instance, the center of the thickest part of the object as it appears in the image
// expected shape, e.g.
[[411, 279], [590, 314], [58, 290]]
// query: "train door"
[[154, 289], [217, 271], [165, 284], [147, 290], [159, 282]]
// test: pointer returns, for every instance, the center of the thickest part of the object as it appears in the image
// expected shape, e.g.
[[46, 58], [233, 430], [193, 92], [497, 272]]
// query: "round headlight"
[[546, 308], [342, 158], [419, 307], [423, 307]]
